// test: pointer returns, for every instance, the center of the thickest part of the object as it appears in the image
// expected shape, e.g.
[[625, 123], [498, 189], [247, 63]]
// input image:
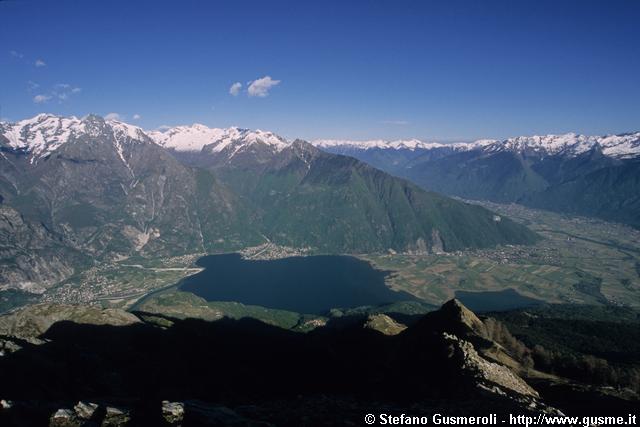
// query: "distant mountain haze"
[[588, 175]]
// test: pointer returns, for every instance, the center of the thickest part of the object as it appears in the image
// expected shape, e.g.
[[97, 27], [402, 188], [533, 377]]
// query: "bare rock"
[[489, 374], [64, 418], [173, 412], [85, 410], [116, 417]]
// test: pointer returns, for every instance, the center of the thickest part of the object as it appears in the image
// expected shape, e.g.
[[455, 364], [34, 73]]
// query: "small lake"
[[507, 299], [312, 284]]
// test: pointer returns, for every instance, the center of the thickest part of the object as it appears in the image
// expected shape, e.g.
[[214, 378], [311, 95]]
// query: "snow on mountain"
[[409, 144], [399, 144], [41, 135], [623, 146], [123, 131], [187, 138], [195, 137], [617, 146], [571, 144]]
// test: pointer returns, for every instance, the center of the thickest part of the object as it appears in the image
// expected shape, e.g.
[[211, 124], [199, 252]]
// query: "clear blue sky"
[[449, 70]]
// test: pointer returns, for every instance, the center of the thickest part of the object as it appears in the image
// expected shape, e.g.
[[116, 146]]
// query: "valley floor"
[[579, 260]]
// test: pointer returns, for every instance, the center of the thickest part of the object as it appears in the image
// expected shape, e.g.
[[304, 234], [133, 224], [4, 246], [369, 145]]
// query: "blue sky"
[[449, 70]]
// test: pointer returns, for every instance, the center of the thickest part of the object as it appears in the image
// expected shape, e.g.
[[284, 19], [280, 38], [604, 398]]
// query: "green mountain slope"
[[576, 180], [339, 204], [611, 193], [503, 176]]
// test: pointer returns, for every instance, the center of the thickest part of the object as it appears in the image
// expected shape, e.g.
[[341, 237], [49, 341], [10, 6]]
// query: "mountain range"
[[588, 175], [74, 191]]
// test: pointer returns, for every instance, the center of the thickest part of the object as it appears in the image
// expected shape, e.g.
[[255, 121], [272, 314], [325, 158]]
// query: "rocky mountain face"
[[106, 190], [111, 191], [32, 257], [588, 175], [92, 189], [70, 365]]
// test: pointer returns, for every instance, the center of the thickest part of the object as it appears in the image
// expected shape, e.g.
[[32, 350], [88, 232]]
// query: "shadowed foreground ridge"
[[108, 367]]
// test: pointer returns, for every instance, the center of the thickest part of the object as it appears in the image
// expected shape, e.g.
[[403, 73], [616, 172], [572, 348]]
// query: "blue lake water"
[[312, 284]]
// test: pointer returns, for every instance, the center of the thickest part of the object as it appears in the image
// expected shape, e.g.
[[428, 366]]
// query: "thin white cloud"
[[63, 95], [235, 88], [162, 128], [16, 54], [137, 117], [113, 116], [59, 91], [39, 99], [31, 86], [395, 122], [261, 87], [40, 63]]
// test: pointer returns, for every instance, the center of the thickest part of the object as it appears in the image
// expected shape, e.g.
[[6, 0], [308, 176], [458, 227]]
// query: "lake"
[[311, 284]]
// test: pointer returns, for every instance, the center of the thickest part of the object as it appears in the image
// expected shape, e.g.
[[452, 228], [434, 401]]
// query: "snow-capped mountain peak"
[[407, 144], [41, 135], [122, 131], [398, 144], [622, 146], [195, 137], [570, 144]]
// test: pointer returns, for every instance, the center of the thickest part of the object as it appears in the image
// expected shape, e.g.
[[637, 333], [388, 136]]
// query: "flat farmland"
[[579, 260]]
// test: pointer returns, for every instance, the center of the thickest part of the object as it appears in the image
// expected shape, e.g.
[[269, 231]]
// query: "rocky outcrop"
[[90, 414], [32, 321], [452, 344], [437, 245], [384, 324], [454, 318], [64, 418], [173, 412], [116, 417], [85, 410], [488, 374]]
